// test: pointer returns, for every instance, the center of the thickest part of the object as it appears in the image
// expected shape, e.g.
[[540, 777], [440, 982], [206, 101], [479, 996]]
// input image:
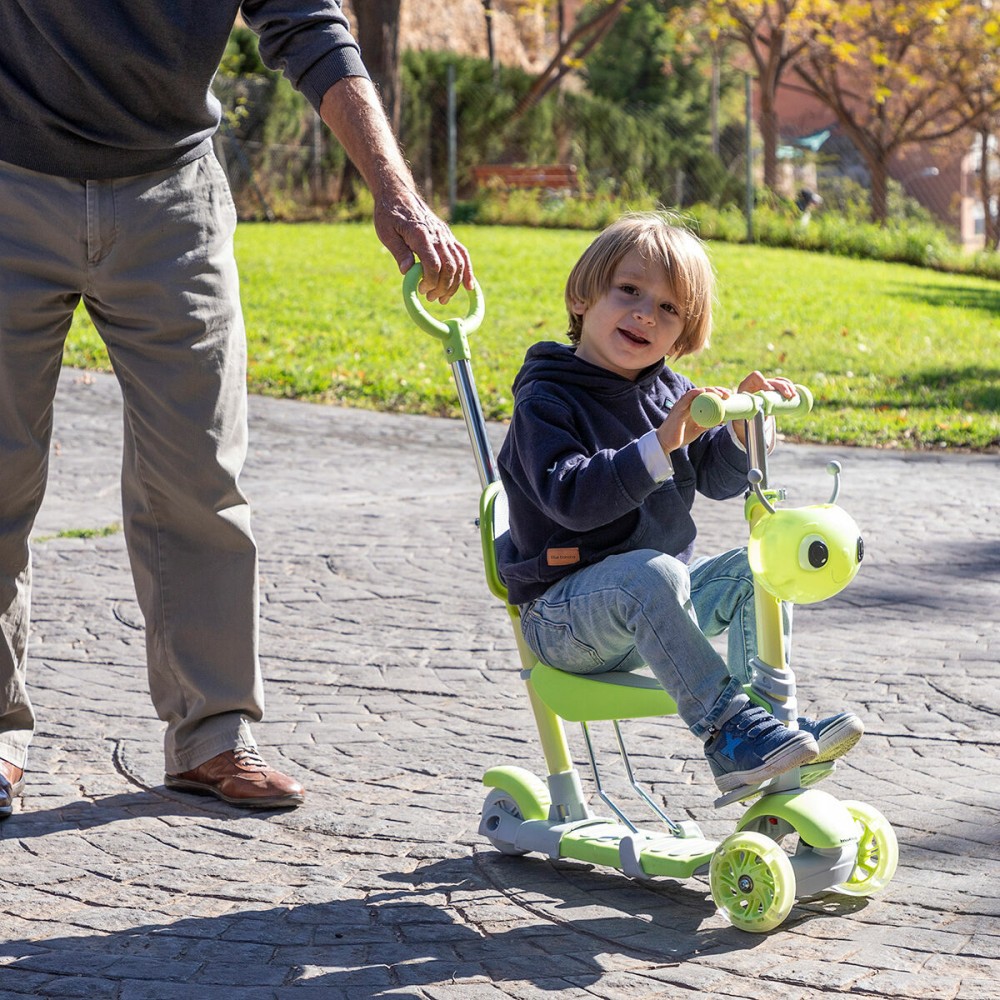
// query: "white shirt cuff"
[[658, 465]]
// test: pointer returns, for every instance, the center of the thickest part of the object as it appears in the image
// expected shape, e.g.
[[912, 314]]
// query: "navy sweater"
[[97, 89], [577, 487]]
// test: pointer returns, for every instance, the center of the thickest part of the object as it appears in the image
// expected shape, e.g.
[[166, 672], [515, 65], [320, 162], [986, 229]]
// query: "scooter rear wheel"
[[499, 799], [752, 882]]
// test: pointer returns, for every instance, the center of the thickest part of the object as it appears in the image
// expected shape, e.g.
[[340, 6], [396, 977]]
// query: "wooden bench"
[[558, 178]]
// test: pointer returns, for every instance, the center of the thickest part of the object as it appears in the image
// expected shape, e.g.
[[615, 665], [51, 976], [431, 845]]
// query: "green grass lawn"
[[896, 356]]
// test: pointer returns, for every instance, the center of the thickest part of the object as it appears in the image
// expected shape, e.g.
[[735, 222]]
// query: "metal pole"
[[749, 158], [475, 423], [452, 143], [316, 172], [757, 446], [714, 112]]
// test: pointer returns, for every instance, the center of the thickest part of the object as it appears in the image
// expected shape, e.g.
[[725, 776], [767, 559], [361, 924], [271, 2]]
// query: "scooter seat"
[[600, 697]]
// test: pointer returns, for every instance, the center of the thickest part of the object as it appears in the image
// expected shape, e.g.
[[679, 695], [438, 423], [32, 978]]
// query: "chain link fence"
[[615, 154], [283, 164]]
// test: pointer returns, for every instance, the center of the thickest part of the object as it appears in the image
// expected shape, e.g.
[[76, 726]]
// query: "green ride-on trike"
[[797, 554]]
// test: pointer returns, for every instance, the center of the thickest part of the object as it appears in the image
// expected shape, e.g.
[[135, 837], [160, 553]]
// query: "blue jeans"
[[645, 607]]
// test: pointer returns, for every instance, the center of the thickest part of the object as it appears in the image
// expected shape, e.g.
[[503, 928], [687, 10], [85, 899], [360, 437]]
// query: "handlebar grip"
[[709, 410]]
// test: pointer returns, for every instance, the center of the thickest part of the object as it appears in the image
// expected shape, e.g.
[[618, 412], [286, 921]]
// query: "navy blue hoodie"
[[577, 487]]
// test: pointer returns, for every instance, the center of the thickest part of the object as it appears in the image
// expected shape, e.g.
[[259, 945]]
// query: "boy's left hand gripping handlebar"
[[709, 410], [442, 329]]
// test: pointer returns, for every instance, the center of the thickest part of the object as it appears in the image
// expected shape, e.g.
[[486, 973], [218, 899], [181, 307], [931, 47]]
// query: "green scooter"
[[797, 554]]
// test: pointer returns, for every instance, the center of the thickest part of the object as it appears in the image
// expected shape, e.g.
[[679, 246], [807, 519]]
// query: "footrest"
[[809, 774]]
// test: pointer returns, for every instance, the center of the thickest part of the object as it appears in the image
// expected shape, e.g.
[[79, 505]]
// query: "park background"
[[532, 125]]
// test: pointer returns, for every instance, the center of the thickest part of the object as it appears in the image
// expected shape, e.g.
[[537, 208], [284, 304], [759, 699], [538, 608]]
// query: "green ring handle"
[[442, 329], [709, 410]]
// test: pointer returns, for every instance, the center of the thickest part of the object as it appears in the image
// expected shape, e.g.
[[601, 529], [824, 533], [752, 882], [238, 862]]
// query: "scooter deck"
[[615, 846]]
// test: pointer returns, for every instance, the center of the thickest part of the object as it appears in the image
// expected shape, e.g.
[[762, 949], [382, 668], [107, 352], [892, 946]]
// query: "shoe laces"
[[249, 757]]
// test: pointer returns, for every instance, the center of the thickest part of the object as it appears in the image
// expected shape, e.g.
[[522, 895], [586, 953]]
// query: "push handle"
[[709, 410], [451, 332]]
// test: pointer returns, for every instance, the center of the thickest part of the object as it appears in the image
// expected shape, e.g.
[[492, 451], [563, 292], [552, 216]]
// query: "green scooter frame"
[[804, 555]]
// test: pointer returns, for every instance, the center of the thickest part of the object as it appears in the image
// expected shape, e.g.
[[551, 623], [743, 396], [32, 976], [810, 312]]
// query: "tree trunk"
[[584, 37], [491, 51], [769, 54], [880, 191], [769, 138], [378, 34], [991, 216]]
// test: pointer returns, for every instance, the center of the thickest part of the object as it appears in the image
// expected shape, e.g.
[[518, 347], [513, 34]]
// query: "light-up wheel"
[[752, 881], [878, 852]]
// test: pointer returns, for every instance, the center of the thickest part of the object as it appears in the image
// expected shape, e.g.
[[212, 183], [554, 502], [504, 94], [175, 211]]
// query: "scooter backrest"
[[492, 526]]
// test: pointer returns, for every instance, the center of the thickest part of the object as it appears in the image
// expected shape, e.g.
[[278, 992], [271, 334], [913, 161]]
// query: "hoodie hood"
[[553, 362]]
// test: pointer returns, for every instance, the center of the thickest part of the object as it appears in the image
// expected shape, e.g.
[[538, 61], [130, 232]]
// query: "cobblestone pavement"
[[392, 686]]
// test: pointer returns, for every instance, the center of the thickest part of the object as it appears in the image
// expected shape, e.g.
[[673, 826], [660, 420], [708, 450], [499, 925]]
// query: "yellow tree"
[[773, 33], [588, 32], [900, 72]]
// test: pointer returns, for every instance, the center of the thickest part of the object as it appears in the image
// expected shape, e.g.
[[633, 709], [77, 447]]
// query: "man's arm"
[[403, 221]]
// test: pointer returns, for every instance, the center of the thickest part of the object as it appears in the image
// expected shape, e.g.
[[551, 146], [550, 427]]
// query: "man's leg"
[[41, 258], [164, 295]]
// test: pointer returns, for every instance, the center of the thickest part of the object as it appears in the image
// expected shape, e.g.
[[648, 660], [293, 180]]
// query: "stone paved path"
[[392, 686]]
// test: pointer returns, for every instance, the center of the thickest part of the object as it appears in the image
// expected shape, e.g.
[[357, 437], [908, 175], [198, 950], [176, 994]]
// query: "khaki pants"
[[152, 259]]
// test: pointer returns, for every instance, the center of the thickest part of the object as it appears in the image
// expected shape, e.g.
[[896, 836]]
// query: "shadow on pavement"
[[86, 814], [431, 926]]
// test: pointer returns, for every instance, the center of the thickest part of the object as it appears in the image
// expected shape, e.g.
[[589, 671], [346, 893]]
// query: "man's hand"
[[403, 221], [409, 229]]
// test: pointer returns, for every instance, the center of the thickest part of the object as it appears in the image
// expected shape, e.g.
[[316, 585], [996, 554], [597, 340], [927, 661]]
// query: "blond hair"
[[660, 240]]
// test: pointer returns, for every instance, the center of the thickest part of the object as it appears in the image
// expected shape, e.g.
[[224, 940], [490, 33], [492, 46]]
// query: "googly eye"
[[813, 552]]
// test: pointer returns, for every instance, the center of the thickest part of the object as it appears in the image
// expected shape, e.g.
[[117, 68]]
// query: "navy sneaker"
[[753, 746], [834, 736]]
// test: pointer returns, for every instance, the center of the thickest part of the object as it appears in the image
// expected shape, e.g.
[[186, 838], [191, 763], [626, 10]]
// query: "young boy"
[[600, 466]]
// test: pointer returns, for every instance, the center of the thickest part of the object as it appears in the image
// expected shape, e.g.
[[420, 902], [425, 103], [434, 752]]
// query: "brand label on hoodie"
[[562, 557]]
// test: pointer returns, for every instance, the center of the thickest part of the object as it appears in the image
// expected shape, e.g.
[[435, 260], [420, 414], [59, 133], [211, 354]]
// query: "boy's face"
[[635, 323]]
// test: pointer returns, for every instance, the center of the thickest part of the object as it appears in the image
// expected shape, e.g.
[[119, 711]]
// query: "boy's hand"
[[756, 382], [679, 428]]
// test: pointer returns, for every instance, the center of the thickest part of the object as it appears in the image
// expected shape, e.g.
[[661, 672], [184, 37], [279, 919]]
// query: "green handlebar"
[[450, 331], [437, 327], [709, 410]]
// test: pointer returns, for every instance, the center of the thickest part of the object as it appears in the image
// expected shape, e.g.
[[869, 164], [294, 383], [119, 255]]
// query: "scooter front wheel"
[[878, 852], [752, 882]]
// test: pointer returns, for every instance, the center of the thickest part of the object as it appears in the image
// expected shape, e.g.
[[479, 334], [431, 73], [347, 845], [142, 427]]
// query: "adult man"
[[109, 192]]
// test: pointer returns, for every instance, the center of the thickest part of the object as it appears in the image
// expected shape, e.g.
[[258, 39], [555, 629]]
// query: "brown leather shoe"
[[11, 785], [241, 778]]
